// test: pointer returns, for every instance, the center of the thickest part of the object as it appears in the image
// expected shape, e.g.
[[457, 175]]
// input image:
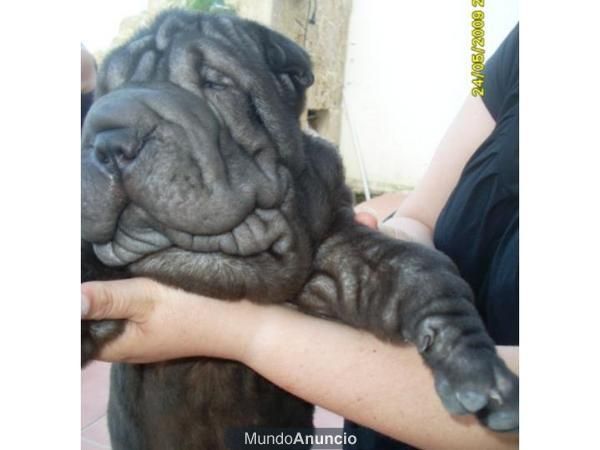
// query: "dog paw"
[[478, 382]]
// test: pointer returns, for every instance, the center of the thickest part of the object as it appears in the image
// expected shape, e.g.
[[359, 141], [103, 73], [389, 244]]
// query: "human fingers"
[[366, 219], [131, 299]]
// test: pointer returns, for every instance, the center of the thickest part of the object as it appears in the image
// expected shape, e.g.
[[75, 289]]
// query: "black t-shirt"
[[479, 225]]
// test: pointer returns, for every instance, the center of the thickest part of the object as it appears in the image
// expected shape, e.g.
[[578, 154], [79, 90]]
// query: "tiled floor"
[[94, 398]]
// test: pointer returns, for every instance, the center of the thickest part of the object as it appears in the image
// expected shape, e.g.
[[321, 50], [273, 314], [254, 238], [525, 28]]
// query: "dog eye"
[[213, 79], [213, 85]]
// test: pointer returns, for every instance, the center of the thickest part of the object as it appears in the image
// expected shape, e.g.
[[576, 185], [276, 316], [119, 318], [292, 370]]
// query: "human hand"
[[367, 219], [391, 227], [163, 323]]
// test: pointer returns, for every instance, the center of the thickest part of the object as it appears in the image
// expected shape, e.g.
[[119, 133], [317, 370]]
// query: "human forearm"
[[416, 213], [382, 386]]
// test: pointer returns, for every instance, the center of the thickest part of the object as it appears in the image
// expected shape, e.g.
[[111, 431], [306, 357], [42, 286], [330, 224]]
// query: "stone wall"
[[321, 27]]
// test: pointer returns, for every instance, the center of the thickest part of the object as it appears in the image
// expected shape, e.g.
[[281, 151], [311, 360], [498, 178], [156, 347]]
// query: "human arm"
[[382, 386], [417, 214]]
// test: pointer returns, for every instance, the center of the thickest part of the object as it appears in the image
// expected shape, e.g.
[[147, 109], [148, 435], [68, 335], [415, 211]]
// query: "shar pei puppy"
[[196, 173]]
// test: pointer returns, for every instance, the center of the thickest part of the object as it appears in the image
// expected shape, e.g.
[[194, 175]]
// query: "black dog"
[[196, 173]]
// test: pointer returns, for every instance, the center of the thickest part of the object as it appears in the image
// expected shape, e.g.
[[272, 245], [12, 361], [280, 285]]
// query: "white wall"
[[101, 20], [407, 74]]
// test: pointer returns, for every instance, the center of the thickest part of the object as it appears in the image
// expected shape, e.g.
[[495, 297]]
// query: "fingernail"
[[85, 305]]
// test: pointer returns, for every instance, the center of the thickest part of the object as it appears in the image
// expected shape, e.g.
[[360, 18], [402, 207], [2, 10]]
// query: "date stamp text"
[[477, 48]]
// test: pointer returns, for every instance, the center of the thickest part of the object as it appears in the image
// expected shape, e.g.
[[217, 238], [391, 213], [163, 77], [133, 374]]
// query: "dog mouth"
[[138, 236]]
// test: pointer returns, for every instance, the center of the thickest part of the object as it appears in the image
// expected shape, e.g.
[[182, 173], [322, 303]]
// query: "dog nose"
[[117, 147]]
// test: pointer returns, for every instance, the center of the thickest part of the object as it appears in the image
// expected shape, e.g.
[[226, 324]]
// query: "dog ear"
[[291, 65], [286, 57]]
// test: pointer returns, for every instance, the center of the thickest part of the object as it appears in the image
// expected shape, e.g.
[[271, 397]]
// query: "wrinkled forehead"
[[179, 47]]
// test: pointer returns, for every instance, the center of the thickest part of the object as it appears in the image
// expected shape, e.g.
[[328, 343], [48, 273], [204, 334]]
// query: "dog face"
[[191, 156]]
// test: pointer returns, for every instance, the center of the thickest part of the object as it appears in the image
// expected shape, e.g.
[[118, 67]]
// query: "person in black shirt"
[[478, 225]]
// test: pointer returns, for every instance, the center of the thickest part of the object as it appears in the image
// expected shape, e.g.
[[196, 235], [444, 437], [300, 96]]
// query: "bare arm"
[[382, 386], [417, 215]]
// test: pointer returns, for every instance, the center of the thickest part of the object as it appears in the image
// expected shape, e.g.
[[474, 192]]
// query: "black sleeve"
[[502, 73]]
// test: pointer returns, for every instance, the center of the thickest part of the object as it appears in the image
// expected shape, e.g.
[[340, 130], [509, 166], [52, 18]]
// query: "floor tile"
[[94, 392], [326, 419], [88, 445], [97, 433]]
